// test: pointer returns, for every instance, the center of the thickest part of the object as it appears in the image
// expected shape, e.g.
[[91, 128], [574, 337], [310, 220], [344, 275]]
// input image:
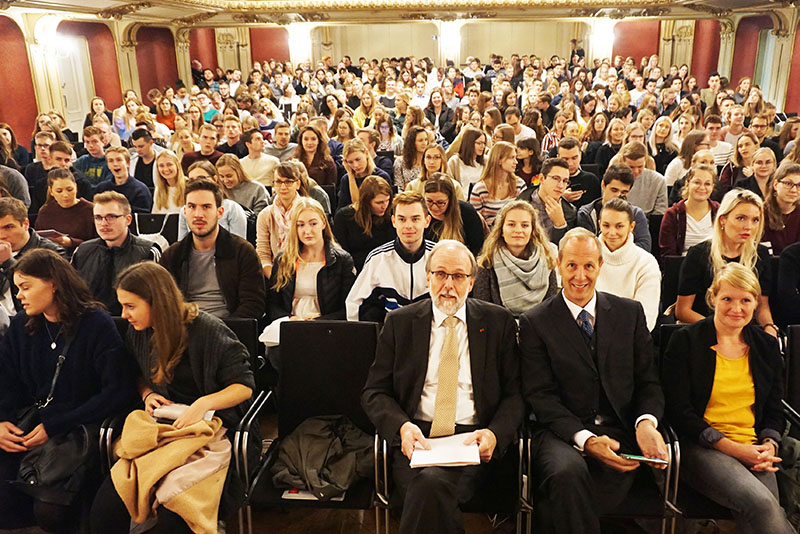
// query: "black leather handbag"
[[54, 472]]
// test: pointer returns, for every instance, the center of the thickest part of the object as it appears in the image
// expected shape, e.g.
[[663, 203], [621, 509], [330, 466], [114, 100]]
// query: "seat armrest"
[[242, 434]]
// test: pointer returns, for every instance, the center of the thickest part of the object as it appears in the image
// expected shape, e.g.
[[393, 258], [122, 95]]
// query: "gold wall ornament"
[[5, 4], [250, 18], [193, 20], [118, 12], [711, 10], [313, 16]]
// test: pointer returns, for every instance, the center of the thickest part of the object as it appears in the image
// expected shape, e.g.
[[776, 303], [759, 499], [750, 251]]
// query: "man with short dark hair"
[[213, 268], [282, 148], [394, 273], [617, 183], [514, 119], [649, 191], [304, 113], [556, 214], [136, 192], [93, 164], [143, 162], [60, 156], [546, 109], [709, 94], [584, 187], [16, 238], [721, 150], [447, 365], [233, 135], [208, 151], [260, 167], [371, 138], [759, 125], [100, 260]]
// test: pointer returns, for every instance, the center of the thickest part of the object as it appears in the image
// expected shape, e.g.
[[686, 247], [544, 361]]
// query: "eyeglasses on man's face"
[[441, 276], [110, 218]]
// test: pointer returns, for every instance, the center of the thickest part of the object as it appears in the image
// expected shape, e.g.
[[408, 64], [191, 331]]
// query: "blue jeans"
[[752, 496]]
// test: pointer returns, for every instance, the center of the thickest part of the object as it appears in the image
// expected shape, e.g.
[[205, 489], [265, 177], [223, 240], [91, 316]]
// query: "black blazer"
[[447, 121], [561, 380], [395, 381], [334, 281], [688, 376]]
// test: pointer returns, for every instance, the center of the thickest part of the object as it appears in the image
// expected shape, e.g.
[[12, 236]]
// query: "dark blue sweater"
[[136, 192], [96, 381]]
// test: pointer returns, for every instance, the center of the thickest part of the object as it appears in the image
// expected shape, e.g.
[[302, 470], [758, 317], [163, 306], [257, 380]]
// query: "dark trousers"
[[18, 510], [573, 491], [109, 515], [431, 496]]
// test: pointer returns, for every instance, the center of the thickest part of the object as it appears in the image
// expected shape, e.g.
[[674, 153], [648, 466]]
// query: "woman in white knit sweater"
[[628, 271]]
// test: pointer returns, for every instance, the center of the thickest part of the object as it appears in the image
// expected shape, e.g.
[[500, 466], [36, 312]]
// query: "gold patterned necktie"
[[444, 413]]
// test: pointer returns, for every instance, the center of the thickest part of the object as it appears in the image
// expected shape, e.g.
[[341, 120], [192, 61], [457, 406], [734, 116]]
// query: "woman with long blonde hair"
[[498, 184], [170, 184], [451, 218], [516, 267], [312, 276], [250, 195], [737, 232]]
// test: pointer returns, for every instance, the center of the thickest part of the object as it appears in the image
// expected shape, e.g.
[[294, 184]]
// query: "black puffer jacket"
[[334, 281]]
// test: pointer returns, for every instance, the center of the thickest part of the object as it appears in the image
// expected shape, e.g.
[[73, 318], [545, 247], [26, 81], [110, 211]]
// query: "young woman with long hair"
[[737, 232], [184, 356], [343, 128], [516, 267], [409, 167], [313, 152], [64, 212], [615, 134], [312, 275], [782, 218], [764, 165], [390, 141], [250, 195], [170, 184], [498, 184], [59, 316], [18, 152], [165, 112], [466, 166], [529, 160], [451, 218], [695, 140], [661, 145], [690, 220], [363, 115], [365, 224], [433, 161], [740, 165]]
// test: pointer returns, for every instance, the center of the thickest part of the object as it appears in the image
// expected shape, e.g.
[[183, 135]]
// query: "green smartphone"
[[646, 459]]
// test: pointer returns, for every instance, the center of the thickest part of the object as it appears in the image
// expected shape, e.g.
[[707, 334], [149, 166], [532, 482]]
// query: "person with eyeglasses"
[[451, 217], [445, 366], [100, 260], [556, 214], [233, 219], [760, 126], [695, 141], [781, 216], [764, 165], [274, 221]]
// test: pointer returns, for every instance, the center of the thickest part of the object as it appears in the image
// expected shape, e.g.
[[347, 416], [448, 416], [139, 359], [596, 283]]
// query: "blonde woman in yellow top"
[[723, 382]]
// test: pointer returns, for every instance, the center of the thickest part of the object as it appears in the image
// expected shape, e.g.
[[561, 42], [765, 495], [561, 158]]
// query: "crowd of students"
[[345, 176]]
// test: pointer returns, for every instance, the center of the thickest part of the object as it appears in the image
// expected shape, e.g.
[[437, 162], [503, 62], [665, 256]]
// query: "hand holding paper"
[[486, 441], [450, 451]]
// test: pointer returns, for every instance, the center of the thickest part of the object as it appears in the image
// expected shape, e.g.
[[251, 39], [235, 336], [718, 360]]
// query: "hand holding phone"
[[645, 459]]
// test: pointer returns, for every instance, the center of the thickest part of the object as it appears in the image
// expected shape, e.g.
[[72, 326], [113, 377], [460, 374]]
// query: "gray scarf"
[[523, 282]]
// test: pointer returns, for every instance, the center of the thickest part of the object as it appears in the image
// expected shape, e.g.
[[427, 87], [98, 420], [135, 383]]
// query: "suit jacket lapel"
[[476, 334], [420, 349], [565, 322]]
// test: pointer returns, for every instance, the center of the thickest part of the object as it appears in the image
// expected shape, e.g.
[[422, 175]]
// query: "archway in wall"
[[18, 105], [544, 39], [103, 57], [156, 59], [203, 47], [269, 43], [751, 49]]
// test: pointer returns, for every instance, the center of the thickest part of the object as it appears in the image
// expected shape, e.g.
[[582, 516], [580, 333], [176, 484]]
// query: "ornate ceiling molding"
[[714, 11], [314, 6], [193, 20], [117, 13], [5, 4]]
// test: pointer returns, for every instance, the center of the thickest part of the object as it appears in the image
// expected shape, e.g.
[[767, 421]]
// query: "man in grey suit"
[[445, 365], [591, 382]]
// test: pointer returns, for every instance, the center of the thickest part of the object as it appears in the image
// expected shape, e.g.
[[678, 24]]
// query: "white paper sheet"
[[448, 451]]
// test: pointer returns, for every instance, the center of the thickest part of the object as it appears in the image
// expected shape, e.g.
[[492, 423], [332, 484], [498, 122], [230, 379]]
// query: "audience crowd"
[[320, 191]]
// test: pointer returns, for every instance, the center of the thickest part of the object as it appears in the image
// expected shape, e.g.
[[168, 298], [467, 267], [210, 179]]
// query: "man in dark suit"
[[591, 382], [447, 365]]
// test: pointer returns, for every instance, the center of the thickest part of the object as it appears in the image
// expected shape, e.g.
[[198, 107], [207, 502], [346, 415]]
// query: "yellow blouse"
[[733, 395]]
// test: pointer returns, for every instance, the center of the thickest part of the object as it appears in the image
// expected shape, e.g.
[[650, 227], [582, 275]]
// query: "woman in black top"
[[366, 224], [451, 218], [312, 275], [185, 356], [737, 232], [94, 382]]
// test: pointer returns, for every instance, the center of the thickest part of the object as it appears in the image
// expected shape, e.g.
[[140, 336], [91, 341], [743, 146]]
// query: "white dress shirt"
[[581, 436], [465, 403]]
